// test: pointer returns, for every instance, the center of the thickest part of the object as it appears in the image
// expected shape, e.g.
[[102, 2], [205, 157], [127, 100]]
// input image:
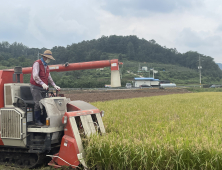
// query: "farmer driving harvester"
[[39, 80]]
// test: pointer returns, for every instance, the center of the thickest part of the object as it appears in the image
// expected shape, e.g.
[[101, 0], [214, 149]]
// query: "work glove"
[[57, 88], [44, 86]]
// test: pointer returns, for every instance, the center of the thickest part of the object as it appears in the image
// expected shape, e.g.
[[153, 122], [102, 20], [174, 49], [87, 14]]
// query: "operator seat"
[[26, 95], [27, 98]]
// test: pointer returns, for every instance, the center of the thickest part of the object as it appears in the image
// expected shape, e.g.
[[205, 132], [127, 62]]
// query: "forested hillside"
[[125, 48]]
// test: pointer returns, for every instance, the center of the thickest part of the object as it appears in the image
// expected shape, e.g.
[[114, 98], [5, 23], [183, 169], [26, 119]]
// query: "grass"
[[163, 132], [181, 131]]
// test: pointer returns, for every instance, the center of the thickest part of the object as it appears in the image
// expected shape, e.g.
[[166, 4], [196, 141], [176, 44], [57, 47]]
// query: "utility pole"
[[121, 73], [139, 68], [149, 71], [200, 67], [153, 71]]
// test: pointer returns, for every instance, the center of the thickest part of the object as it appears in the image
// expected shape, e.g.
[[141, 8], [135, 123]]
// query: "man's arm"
[[50, 80]]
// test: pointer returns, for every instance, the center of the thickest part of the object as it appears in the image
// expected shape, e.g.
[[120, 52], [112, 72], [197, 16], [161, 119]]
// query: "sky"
[[187, 25]]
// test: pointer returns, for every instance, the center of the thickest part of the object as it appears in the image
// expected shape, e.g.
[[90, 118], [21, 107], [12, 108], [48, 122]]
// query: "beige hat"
[[48, 54]]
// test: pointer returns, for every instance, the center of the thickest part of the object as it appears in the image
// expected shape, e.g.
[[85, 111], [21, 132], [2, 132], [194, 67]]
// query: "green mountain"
[[132, 51]]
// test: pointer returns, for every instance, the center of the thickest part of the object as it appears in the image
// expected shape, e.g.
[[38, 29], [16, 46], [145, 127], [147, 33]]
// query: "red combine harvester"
[[25, 145]]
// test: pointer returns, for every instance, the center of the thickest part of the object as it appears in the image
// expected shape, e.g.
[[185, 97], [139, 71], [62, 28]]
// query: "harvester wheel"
[[20, 158]]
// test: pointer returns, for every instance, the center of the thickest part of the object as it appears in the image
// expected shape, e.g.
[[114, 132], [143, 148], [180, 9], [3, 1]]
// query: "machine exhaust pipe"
[[16, 75]]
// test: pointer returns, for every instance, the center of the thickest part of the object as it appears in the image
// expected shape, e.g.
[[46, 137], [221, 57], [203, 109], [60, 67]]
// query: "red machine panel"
[[6, 76], [68, 152], [1, 143]]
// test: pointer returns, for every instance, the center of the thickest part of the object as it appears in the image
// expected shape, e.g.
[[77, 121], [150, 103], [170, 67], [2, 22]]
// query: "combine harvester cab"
[[22, 143]]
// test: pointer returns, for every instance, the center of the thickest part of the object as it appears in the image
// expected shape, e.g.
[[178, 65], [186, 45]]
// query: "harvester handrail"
[[52, 156]]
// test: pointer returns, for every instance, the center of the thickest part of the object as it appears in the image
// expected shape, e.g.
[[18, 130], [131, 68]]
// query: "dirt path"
[[105, 95]]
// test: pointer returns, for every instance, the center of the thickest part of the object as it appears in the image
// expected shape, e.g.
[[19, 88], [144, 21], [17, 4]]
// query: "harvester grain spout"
[[113, 64]]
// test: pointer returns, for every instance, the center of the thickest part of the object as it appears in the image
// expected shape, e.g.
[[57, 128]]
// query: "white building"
[[144, 68], [145, 81]]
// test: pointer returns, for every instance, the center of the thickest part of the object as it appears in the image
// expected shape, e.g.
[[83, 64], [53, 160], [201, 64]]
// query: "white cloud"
[[182, 24], [144, 8], [48, 23]]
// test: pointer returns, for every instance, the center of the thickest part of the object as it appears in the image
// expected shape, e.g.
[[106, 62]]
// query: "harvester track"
[[20, 158]]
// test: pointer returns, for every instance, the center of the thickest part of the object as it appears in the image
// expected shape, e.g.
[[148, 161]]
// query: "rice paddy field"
[[179, 131]]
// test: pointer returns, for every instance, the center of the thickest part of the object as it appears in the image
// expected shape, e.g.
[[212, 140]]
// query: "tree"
[[130, 51]]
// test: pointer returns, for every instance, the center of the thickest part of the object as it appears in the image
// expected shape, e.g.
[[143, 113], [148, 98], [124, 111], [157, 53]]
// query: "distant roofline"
[[145, 78]]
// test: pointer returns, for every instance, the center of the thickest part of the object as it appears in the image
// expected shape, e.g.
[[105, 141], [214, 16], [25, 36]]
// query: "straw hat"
[[48, 54]]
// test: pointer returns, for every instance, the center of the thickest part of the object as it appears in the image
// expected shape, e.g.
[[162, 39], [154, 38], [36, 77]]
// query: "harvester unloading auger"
[[24, 144]]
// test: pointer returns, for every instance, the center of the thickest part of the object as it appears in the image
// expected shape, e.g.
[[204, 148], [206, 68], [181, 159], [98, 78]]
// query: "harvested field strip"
[[181, 131]]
